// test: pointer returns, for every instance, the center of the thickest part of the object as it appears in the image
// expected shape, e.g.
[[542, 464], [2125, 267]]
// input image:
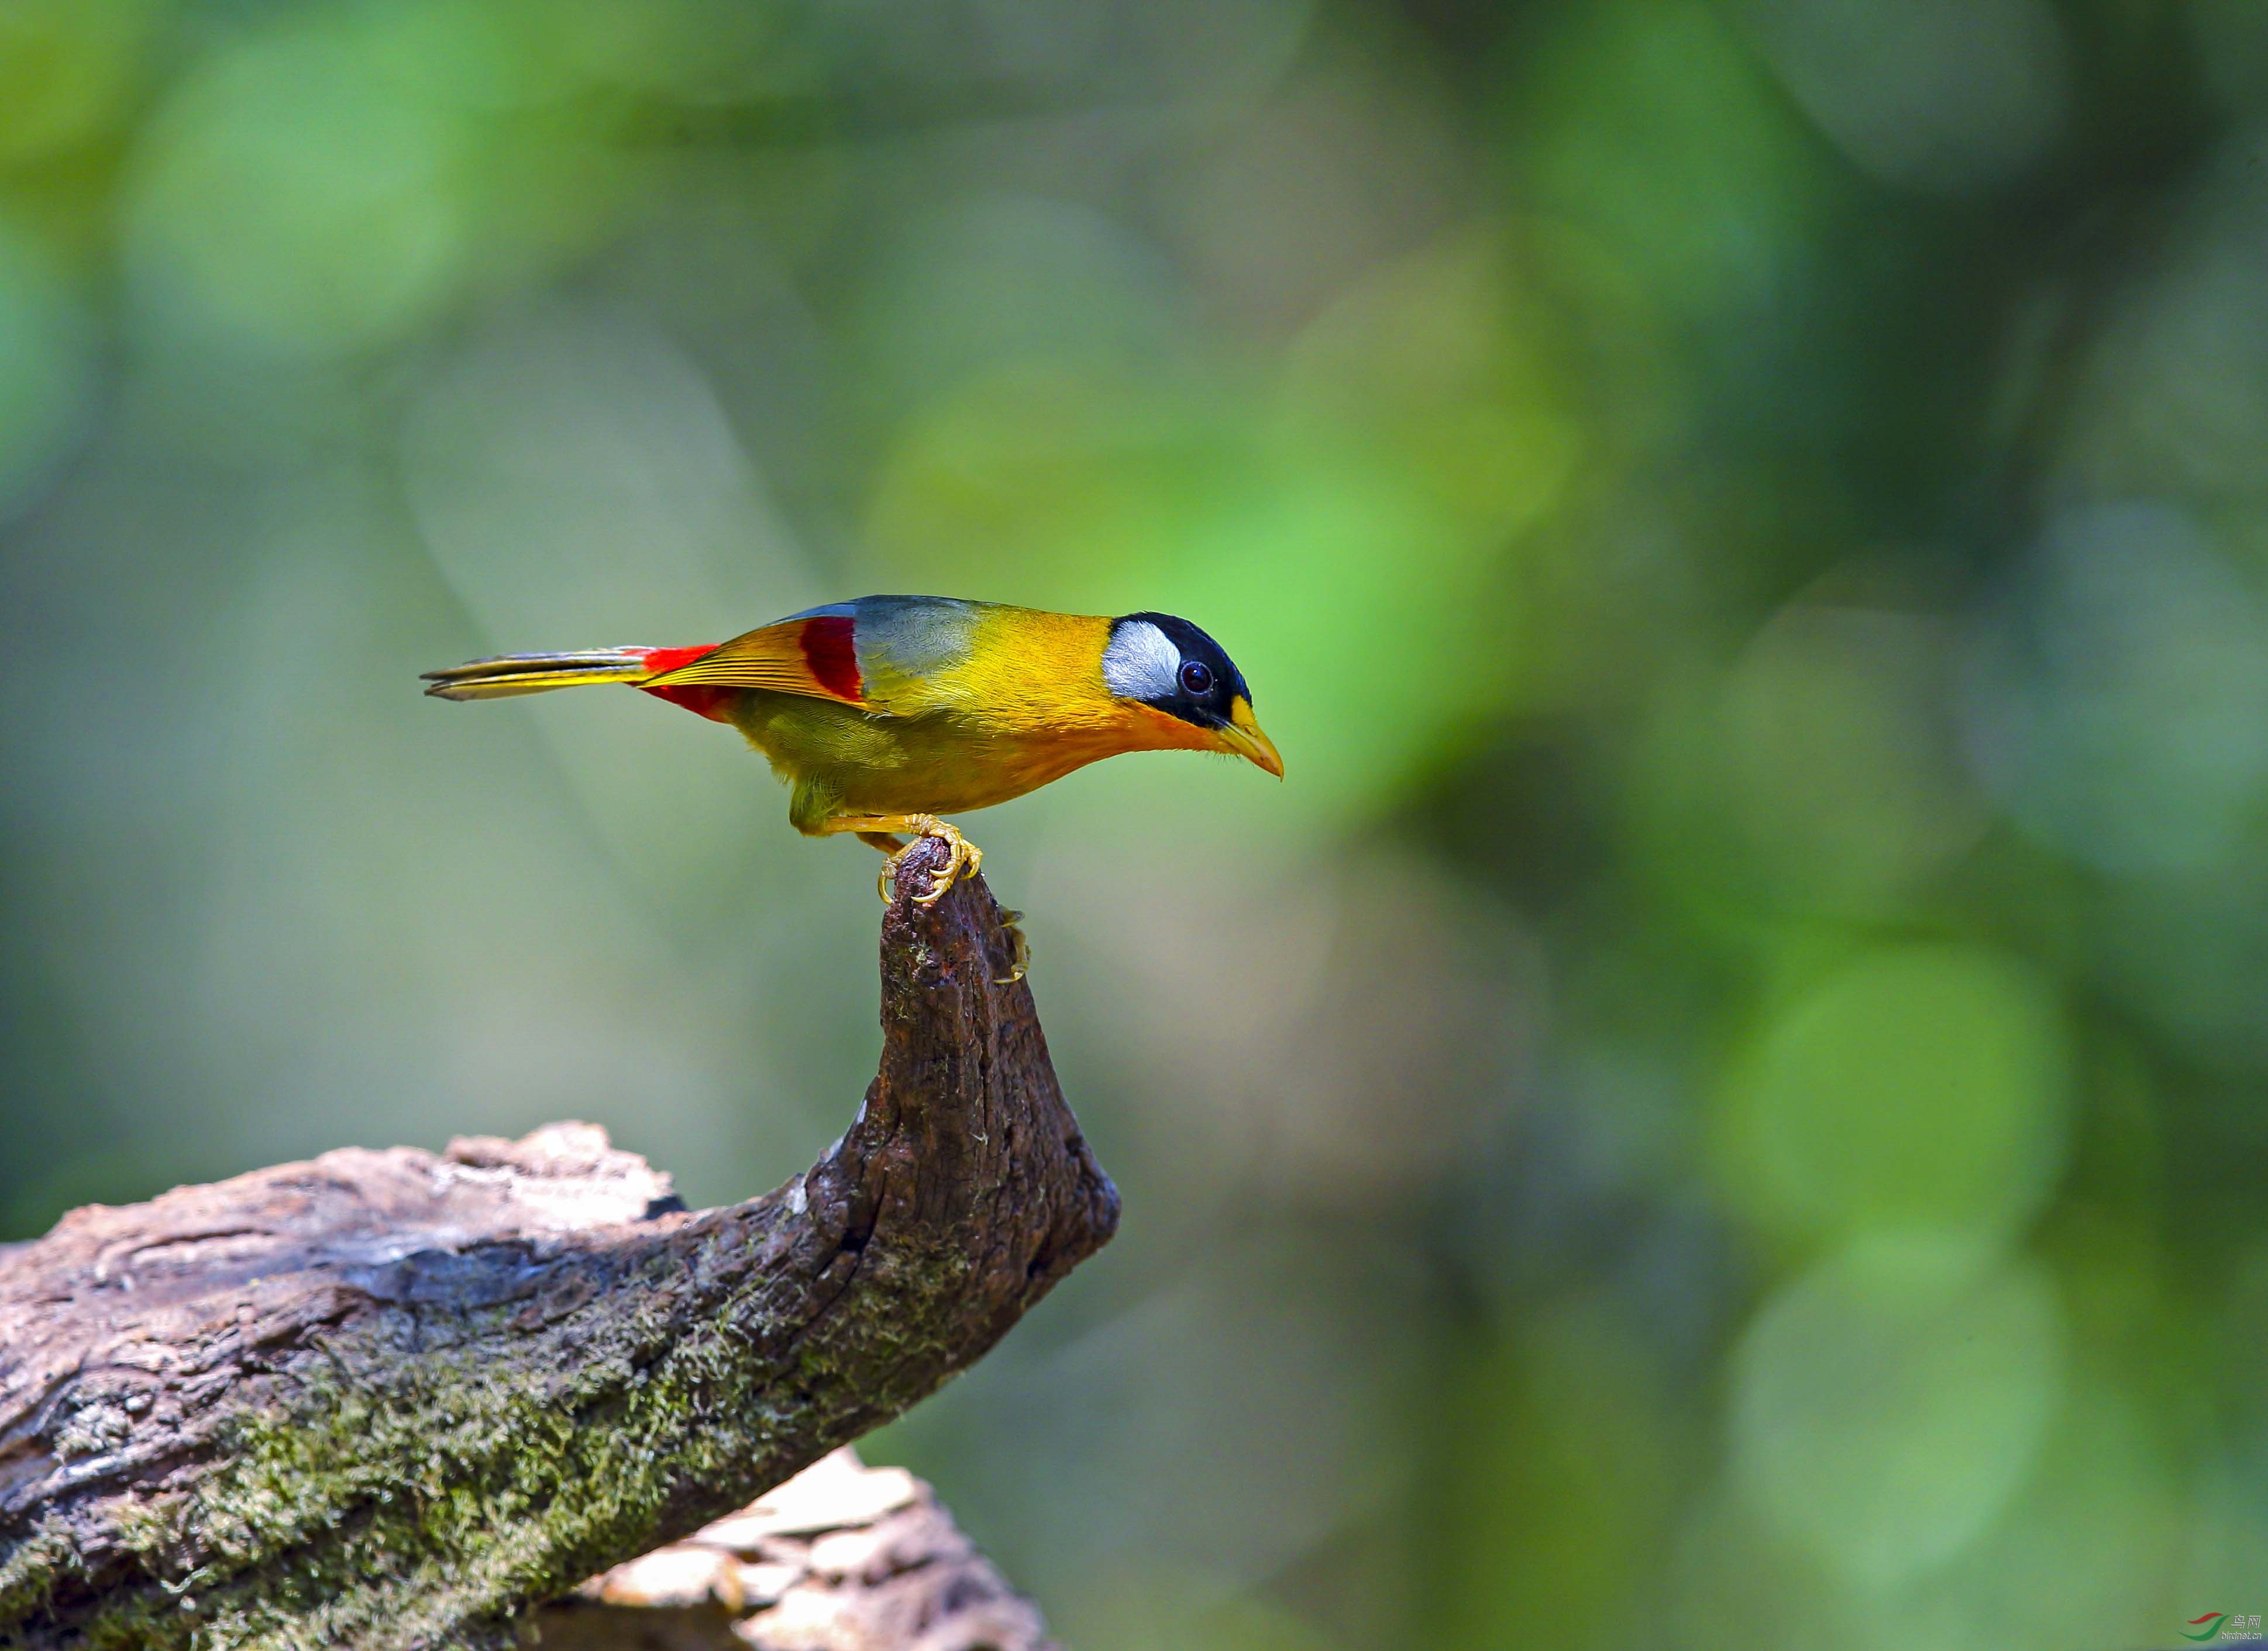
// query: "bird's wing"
[[914, 651], [813, 654], [895, 656]]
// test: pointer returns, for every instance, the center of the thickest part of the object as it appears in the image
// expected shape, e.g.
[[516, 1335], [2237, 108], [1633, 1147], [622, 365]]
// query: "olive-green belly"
[[844, 761]]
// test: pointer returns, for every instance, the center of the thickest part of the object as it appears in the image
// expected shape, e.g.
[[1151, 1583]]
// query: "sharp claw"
[[963, 858], [942, 881], [1009, 921]]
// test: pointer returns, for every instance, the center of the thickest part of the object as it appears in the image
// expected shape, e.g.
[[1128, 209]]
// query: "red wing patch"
[[830, 648]]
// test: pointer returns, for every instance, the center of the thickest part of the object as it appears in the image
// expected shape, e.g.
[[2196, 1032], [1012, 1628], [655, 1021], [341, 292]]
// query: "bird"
[[886, 712]]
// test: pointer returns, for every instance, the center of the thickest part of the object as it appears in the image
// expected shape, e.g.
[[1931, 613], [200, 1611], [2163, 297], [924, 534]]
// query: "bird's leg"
[[876, 829]]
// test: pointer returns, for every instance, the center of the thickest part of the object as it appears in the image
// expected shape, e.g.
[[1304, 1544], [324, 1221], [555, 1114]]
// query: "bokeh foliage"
[[1720, 1106]]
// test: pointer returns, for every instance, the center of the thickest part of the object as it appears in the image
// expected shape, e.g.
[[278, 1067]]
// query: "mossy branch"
[[393, 1401]]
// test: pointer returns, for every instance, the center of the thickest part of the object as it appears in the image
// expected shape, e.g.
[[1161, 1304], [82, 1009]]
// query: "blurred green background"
[[1721, 1103]]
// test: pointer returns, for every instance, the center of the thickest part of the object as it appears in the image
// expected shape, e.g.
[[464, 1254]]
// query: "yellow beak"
[[1243, 737]]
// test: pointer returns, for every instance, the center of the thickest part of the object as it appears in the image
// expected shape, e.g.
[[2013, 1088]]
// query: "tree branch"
[[393, 1401]]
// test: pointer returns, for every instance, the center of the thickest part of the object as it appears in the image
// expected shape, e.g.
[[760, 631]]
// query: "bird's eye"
[[1196, 678]]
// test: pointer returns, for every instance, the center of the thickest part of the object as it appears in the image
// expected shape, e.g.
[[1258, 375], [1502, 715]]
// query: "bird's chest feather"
[[937, 762]]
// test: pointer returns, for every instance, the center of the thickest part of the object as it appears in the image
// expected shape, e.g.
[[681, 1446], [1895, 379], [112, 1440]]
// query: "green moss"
[[32, 1570], [391, 1502]]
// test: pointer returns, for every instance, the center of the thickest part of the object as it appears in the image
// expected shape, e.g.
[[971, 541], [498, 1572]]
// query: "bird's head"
[[1172, 668]]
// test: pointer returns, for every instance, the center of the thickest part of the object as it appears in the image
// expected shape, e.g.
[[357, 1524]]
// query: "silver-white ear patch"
[[1140, 663]]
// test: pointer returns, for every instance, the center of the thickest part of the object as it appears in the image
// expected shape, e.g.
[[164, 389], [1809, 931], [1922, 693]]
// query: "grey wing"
[[908, 644]]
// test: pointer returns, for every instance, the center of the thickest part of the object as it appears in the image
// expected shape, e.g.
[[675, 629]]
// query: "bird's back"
[[1015, 669]]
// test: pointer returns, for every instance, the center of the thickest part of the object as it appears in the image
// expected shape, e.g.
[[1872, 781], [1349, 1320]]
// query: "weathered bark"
[[390, 1400], [842, 1556]]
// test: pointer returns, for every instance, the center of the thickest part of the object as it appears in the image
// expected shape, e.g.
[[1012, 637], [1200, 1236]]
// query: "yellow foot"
[[964, 858], [1011, 922]]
